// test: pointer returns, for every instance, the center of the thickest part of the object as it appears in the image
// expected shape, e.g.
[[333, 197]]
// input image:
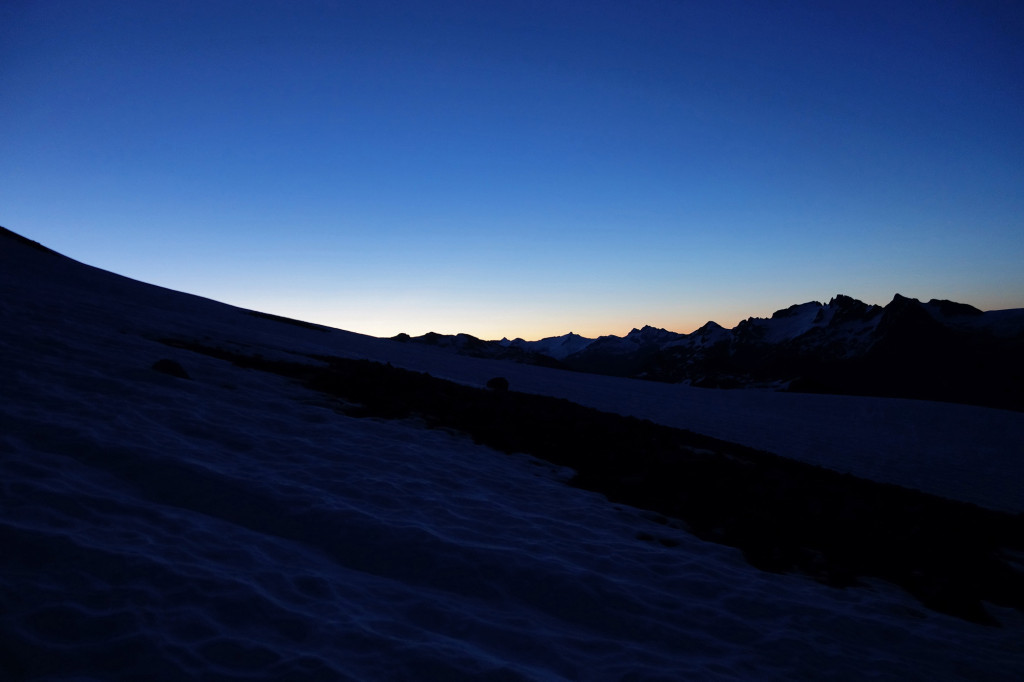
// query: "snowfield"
[[235, 525]]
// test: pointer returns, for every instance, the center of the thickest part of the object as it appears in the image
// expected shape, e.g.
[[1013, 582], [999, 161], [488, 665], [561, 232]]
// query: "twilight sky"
[[519, 168]]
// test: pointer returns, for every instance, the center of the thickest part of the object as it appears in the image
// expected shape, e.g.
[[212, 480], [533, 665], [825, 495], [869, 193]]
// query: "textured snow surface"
[[237, 526]]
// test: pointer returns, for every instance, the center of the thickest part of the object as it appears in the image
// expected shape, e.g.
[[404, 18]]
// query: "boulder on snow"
[[498, 384]]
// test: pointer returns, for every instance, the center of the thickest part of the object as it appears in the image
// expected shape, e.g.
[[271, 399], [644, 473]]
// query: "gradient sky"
[[522, 168]]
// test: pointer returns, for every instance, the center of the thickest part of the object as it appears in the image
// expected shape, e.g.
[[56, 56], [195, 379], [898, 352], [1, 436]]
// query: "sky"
[[518, 168]]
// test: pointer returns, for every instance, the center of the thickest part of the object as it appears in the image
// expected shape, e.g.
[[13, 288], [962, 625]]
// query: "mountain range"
[[935, 350]]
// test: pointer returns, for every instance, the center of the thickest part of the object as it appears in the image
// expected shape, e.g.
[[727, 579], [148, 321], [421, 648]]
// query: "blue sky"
[[522, 168]]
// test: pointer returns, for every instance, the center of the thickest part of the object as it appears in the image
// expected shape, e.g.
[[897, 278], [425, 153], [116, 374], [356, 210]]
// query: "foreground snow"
[[237, 526]]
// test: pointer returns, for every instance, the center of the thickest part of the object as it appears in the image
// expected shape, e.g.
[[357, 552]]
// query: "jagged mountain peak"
[[652, 336], [903, 306], [796, 309], [844, 301], [709, 326], [647, 331], [843, 309]]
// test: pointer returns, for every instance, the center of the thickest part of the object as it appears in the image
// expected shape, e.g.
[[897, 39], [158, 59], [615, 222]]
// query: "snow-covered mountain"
[[939, 350], [189, 492], [557, 347]]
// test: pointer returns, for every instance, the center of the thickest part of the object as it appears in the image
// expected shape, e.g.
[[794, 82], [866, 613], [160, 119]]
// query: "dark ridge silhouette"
[[783, 514], [917, 356], [4, 232], [289, 320], [466, 344]]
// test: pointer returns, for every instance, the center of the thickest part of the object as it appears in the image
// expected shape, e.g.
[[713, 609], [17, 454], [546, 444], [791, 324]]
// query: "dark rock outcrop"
[[498, 384]]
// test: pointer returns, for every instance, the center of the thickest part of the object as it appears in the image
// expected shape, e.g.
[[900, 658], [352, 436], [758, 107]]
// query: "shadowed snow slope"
[[234, 525]]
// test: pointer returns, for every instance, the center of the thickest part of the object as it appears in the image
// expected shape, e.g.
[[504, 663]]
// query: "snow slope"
[[963, 452], [237, 526]]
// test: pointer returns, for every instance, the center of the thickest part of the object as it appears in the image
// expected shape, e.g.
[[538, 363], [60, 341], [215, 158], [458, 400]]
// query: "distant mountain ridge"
[[938, 350]]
